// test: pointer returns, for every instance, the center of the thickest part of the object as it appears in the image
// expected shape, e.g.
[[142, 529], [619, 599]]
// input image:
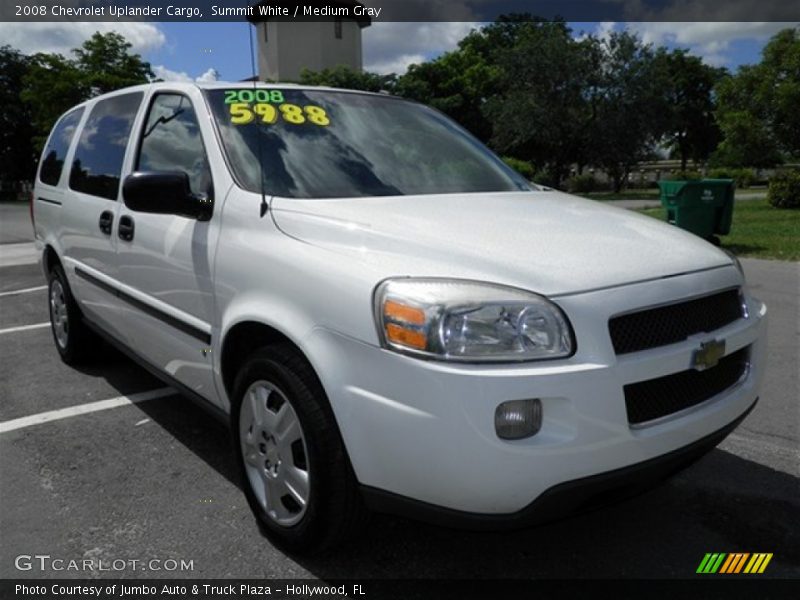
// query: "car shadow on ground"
[[185, 420], [119, 371], [662, 533], [742, 249], [722, 503], [196, 429]]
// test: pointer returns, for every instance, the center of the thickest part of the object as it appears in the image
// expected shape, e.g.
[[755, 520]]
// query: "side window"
[[171, 141], [57, 146], [97, 166]]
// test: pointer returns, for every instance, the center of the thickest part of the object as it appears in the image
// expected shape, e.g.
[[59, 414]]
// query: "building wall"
[[291, 47]]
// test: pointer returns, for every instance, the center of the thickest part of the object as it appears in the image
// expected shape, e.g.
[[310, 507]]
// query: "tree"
[[748, 141], [17, 160], [780, 73], [628, 106], [53, 83], [458, 83], [543, 113], [758, 106], [347, 78], [495, 39], [688, 84], [106, 64]]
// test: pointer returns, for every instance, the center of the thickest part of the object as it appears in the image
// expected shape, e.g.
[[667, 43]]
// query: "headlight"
[[459, 320]]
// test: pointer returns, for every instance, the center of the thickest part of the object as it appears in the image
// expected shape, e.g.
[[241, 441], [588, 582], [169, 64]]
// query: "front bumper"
[[424, 430], [565, 499]]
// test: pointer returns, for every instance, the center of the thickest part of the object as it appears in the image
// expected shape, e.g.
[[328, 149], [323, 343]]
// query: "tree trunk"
[[557, 172], [684, 152], [617, 177]]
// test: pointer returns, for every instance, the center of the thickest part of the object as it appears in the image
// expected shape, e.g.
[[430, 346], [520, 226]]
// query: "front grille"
[[673, 323], [654, 398]]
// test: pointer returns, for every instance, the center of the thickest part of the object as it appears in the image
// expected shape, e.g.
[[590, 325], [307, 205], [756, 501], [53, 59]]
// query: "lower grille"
[[655, 398]]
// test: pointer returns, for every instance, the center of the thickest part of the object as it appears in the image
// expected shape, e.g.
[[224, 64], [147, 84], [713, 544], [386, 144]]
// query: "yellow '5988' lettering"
[[317, 116], [243, 113], [292, 114]]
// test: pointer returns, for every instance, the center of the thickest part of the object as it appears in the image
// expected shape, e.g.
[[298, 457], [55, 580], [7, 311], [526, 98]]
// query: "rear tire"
[[294, 468], [75, 342]]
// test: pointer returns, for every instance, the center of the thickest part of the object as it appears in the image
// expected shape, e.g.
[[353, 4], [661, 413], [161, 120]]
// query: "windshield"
[[322, 144]]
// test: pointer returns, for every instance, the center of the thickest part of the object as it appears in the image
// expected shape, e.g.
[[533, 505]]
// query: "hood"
[[544, 241]]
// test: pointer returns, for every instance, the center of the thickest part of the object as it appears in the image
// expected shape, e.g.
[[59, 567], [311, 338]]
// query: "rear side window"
[[97, 166], [57, 146], [171, 141]]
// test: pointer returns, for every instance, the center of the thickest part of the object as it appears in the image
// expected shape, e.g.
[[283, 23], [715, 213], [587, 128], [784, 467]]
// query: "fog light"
[[518, 419]]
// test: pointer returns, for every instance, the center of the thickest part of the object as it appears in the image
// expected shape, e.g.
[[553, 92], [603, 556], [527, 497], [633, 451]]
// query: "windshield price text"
[[243, 113]]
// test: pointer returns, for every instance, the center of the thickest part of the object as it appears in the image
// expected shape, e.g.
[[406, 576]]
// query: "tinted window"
[[171, 141], [56, 151], [97, 166], [322, 144]]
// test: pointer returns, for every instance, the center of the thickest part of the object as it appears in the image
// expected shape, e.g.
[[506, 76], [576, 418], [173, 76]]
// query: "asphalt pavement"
[[155, 481], [15, 223]]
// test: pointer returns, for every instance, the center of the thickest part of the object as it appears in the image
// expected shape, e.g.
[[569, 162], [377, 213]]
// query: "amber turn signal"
[[405, 337]]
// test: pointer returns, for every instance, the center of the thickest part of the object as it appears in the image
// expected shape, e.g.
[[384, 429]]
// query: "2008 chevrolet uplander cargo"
[[386, 314]]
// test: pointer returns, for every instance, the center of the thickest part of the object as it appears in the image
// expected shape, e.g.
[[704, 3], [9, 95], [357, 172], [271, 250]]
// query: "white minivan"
[[387, 316]]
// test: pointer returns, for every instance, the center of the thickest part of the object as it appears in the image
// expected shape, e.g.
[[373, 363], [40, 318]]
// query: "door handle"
[[106, 221], [126, 228]]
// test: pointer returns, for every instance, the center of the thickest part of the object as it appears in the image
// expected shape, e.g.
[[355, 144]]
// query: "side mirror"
[[165, 193]]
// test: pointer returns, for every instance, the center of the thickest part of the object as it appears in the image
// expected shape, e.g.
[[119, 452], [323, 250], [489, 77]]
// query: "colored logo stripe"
[[732, 558], [758, 563], [734, 563], [720, 562], [711, 563]]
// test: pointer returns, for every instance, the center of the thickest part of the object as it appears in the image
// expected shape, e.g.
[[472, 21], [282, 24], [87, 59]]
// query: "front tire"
[[73, 339], [294, 468]]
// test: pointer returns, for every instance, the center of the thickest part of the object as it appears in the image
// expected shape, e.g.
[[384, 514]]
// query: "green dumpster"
[[703, 206]]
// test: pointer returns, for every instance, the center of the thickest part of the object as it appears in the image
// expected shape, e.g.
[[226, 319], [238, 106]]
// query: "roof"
[[227, 85], [184, 86], [346, 5]]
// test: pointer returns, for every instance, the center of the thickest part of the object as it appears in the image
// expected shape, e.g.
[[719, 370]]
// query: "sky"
[[209, 51]]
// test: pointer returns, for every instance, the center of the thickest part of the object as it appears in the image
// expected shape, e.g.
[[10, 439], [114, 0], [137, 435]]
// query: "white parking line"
[[24, 328], [82, 409], [24, 253], [25, 291]]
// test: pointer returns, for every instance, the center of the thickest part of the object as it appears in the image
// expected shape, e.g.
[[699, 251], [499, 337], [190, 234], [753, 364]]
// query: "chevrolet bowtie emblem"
[[708, 355]]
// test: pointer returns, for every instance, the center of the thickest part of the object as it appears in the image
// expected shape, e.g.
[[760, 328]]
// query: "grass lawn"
[[758, 230]]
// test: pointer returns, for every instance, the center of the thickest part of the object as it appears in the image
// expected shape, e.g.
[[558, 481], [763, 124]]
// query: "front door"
[[165, 262]]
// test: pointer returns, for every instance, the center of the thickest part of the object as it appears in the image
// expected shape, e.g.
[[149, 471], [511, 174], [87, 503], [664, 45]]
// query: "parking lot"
[[154, 479]]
